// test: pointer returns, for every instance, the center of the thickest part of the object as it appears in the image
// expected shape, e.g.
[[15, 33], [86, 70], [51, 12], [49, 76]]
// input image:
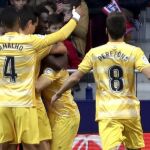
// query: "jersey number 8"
[[116, 78]]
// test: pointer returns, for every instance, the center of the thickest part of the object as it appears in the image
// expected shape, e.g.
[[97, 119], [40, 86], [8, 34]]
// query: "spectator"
[[135, 6], [38, 2], [18, 4], [79, 35], [50, 6], [114, 7], [43, 14], [97, 22], [129, 25]]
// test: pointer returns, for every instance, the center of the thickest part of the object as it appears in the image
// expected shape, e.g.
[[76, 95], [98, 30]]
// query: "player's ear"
[[29, 23], [106, 31]]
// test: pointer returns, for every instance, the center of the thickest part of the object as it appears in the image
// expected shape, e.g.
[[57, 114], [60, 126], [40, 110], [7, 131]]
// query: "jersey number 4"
[[9, 68]]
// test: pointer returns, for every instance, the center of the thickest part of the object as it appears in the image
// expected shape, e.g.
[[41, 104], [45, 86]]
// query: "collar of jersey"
[[115, 42], [11, 33]]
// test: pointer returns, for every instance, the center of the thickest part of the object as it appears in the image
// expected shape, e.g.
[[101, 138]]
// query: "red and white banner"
[[111, 7], [89, 142], [92, 142]]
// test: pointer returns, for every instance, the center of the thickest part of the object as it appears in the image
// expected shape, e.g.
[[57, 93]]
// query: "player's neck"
[[118, 40], [114, 40], [11, 30], [22, 31]]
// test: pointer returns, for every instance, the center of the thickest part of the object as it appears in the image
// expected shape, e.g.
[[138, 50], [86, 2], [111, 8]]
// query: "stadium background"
[[88, 138]]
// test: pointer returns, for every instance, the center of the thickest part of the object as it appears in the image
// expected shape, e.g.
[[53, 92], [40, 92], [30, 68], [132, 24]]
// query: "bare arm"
[[146, 72], [72, 80], [42, 83]]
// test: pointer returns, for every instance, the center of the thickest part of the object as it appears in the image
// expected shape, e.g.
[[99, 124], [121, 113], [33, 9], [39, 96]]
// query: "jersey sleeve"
[[42, 41], [51, 74], [141, 60], [87, 63], [43, 52]]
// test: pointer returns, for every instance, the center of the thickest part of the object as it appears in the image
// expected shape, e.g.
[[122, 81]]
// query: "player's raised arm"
[[46, 40]]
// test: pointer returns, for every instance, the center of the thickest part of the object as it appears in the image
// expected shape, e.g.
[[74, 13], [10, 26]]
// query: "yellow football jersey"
[[17, 64], [40, 55], [113, 67], [65, 105]]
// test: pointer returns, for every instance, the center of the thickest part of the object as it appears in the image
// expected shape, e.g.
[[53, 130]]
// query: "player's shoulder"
[[130, 46], [49, 70], [98, 49]]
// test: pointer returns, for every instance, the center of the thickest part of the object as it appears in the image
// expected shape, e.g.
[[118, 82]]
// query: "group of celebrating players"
[[23, 116], [29, 78]]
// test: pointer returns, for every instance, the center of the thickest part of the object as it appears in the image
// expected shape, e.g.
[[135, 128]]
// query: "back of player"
[[116, 79], [63, 115], [116, 100], [17, 65], [27, 20], [117, 108]]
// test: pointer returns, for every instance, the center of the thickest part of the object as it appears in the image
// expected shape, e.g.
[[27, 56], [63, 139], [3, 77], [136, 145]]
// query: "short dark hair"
[[55, 19], [41, 9], [116, 25], [9, 17], [27, 13], [52, 4]]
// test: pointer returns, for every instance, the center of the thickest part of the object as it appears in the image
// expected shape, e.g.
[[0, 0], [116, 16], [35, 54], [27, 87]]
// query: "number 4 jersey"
[[17, 71], [113, 67], [18, 57]]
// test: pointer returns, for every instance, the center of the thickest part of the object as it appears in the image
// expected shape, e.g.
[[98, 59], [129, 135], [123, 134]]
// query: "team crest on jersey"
[[144, 58], [48, 70]]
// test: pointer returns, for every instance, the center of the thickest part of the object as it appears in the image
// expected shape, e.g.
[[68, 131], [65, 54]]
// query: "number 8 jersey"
[[113, 67]]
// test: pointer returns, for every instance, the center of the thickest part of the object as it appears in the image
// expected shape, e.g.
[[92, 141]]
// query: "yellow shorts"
[[7, 128], [45, 132], [21, 123], [64, 130], [113, 132]]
